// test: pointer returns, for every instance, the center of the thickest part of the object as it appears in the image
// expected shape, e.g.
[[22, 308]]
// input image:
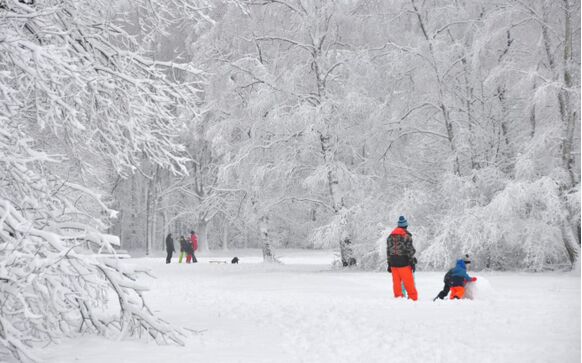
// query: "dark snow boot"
[[441, 295]]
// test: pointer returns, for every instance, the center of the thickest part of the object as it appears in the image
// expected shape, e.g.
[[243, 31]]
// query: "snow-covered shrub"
[[520, 228], [376, 218], [370, 223]]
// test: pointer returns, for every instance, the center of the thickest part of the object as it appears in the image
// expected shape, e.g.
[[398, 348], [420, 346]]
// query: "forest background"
[[301, 124], [321, 122], [275, 124]]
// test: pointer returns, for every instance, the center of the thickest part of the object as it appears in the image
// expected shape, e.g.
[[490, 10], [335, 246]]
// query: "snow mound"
[[479, 290]]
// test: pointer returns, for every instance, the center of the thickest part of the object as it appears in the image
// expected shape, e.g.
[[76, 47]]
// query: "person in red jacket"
[[192, 250], [401, 260]]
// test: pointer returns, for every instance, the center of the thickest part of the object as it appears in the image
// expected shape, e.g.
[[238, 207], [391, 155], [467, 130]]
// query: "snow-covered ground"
[[303, 311]]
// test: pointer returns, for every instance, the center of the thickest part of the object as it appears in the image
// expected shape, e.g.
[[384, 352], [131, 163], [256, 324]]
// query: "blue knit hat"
[[402, 222]]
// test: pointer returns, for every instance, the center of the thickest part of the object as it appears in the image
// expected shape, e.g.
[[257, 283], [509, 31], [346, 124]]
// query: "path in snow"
[[304, 312]]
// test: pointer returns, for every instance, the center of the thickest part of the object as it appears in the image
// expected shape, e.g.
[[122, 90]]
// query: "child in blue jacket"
[[461, 276], [458, 279]]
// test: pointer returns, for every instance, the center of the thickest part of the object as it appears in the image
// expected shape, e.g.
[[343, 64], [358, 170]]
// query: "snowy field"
[[303, 311]]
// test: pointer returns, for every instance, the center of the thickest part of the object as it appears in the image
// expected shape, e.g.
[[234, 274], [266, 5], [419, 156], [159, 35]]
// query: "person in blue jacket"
[[447, 280], [458, 279]]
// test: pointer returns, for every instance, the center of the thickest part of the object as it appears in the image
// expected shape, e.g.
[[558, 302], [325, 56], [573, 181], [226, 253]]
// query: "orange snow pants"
[[404, 275], [457, 292]]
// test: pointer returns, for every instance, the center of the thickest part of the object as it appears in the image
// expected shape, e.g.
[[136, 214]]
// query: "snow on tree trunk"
[[225, 236], [148, 219], [268, 255], [344, 241], [567, 111], [203, 235], [155, 235]]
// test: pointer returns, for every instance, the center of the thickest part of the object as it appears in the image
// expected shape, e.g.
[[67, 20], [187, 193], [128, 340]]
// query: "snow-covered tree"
[[81, 103], [324, 121], [329, 133], [489, 76]]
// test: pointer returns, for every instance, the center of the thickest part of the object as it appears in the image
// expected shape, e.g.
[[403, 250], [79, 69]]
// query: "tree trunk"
[[164, 228], [154, 229], [265, 241], [163, 202], [133, 213], [566, 109], [337, 203], [568, 118], [147, 232], [203, 235], [571, 242], [532, 113], [441, 89], [469, 109], [567, 115], [225, 236], [506, 151]]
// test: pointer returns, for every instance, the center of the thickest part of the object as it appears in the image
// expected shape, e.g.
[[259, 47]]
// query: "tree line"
[[321, 122]]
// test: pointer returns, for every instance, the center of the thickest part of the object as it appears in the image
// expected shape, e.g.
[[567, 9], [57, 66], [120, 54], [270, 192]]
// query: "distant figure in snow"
[[234, 260], [169, 247], [401, 260], [188, 250], [455, 280], [183, 248], [192, 247]]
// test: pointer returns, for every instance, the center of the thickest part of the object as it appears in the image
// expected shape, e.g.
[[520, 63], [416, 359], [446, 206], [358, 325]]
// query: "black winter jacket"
[[399, 248], [169, 243]]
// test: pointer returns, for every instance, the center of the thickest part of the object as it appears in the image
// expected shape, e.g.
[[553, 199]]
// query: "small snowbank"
[[479, 290]]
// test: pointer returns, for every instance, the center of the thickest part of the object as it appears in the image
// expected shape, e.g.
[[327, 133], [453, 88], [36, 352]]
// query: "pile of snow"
[[479, 290]]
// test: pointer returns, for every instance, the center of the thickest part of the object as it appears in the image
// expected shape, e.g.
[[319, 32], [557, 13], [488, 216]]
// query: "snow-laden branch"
[[42, 276], [410, 131], [263, 146], [308, 47], [300, 10], [300, 199], [85, 80]]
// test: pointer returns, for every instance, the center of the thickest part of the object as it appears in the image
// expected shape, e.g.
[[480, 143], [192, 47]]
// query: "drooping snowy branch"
[[54, 285], [81, 99]]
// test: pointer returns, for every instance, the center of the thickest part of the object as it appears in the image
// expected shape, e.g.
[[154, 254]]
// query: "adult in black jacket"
[[401, 261], [169, 247]]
